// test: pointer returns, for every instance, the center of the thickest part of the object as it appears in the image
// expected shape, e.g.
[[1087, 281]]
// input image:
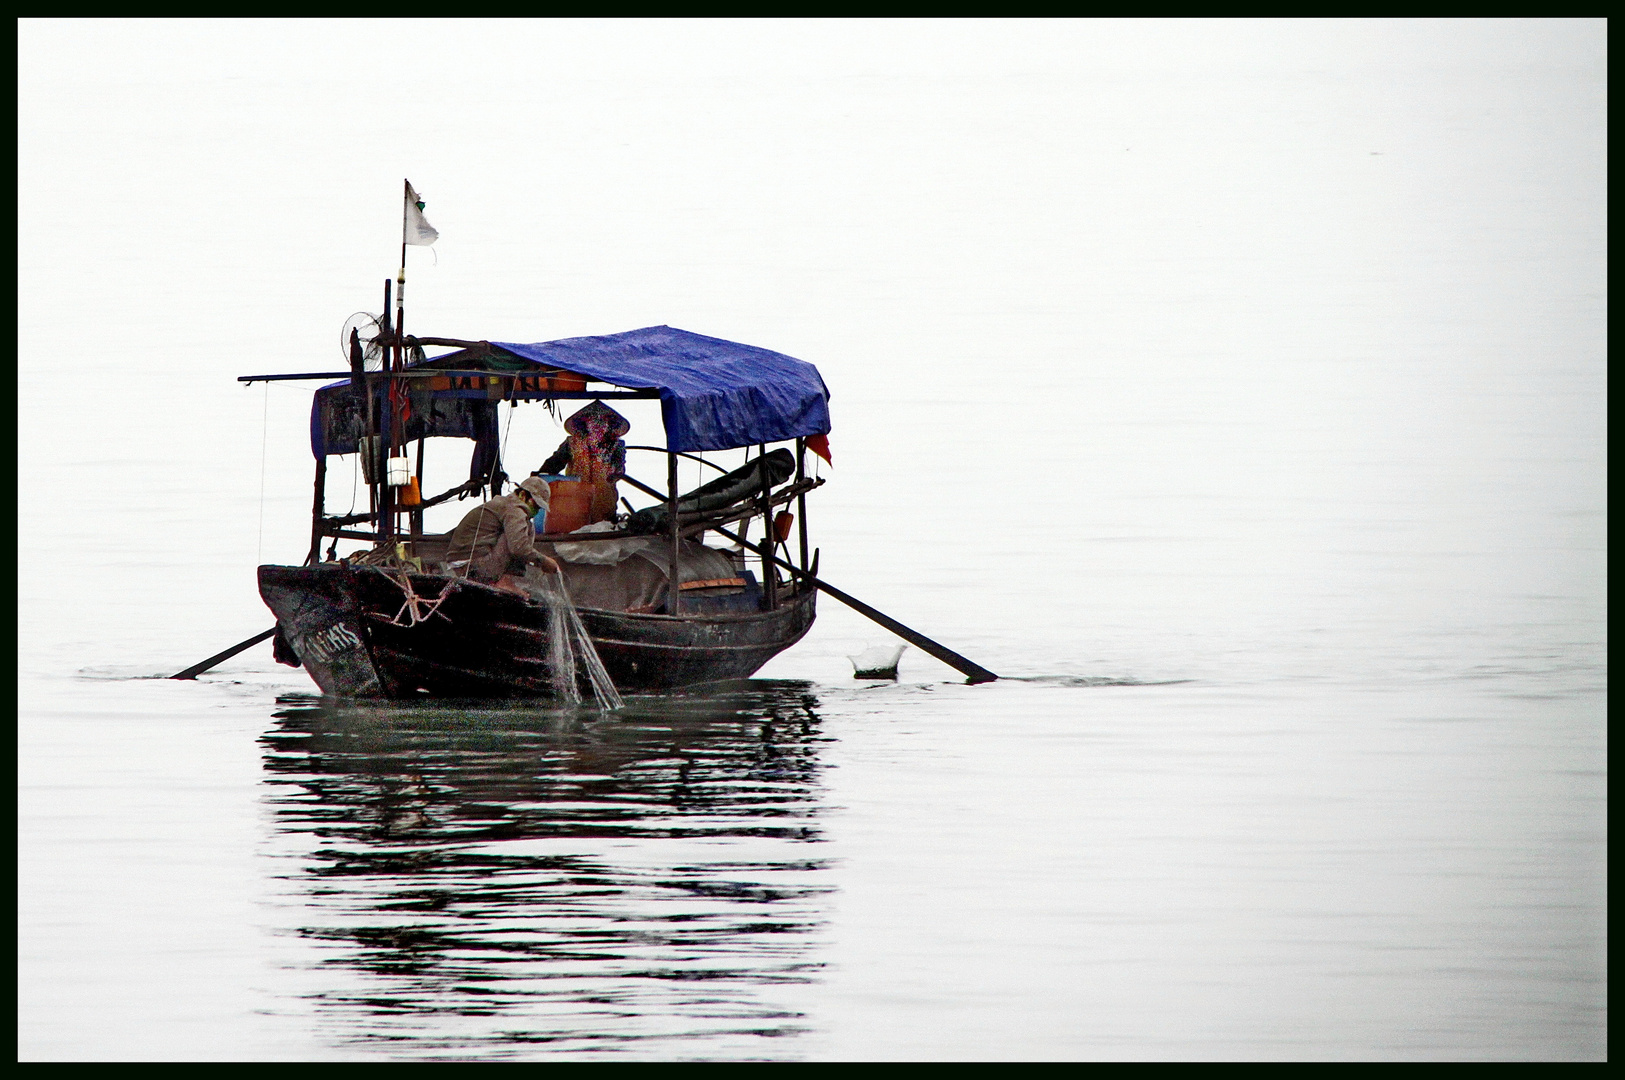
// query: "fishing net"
[[570, 647]]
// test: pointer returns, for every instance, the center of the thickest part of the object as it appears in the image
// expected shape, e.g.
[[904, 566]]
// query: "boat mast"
[[395, 361], [379, 429], [397, 401], [406, 199]]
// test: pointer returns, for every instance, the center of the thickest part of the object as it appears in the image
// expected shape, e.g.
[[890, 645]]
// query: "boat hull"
[[352, 630]]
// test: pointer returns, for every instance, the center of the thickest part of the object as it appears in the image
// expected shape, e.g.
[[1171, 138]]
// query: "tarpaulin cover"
[[714, 394]]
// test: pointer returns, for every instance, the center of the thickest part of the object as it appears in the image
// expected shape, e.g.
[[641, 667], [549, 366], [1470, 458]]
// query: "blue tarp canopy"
[[714, 394]]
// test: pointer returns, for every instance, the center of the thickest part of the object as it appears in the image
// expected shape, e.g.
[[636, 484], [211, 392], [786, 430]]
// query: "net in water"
[[569, 645]]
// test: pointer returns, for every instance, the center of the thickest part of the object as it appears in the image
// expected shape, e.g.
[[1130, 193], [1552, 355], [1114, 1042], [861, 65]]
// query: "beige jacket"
[[502, 521]]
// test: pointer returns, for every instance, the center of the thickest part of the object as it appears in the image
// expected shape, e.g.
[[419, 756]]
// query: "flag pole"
[[400, 279], [406, 197], [414, 230], [397, 352]]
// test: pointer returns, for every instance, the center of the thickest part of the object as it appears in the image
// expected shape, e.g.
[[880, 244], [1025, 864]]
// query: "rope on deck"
[[417, 608]]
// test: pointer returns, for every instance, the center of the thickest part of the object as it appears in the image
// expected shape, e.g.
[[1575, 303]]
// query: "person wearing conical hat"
[[595, 453]]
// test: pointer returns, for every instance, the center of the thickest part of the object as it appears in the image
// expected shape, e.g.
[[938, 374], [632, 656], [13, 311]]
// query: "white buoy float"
[[877, 662]]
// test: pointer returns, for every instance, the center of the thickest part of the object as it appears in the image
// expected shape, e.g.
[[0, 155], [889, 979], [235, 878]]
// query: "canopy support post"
[[417, 512], [674, 585], [801, 500], [770, 573], [318, 507]]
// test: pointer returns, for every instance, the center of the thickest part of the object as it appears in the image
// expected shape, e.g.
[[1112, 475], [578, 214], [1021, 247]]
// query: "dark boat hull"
[[344, 625]]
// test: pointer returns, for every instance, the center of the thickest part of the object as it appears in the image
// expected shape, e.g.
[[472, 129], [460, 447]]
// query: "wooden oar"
[[197, 669], [973, 672]]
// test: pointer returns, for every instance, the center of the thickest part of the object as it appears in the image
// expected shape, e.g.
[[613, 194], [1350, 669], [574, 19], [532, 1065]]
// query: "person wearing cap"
[[593, 453], [498, 537]]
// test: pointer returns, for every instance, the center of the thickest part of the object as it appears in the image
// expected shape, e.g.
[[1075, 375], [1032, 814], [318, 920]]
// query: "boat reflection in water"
[[488, 881]]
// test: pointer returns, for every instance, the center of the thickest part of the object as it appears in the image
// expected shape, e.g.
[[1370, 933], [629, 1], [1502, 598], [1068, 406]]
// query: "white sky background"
[[1238, 283]]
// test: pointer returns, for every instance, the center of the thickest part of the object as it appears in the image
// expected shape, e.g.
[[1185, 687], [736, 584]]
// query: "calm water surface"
[[1062, 867], [1236, 390], [483, 882]]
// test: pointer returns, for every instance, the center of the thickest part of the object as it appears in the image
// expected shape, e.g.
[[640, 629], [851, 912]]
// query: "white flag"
[[415, 229]]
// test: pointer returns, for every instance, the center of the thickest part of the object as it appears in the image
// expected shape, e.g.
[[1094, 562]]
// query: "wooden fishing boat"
[[406, 617], [341, 623], [402, 619]]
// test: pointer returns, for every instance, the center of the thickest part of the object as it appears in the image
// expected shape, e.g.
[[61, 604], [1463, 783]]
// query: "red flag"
[[819, 444]]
